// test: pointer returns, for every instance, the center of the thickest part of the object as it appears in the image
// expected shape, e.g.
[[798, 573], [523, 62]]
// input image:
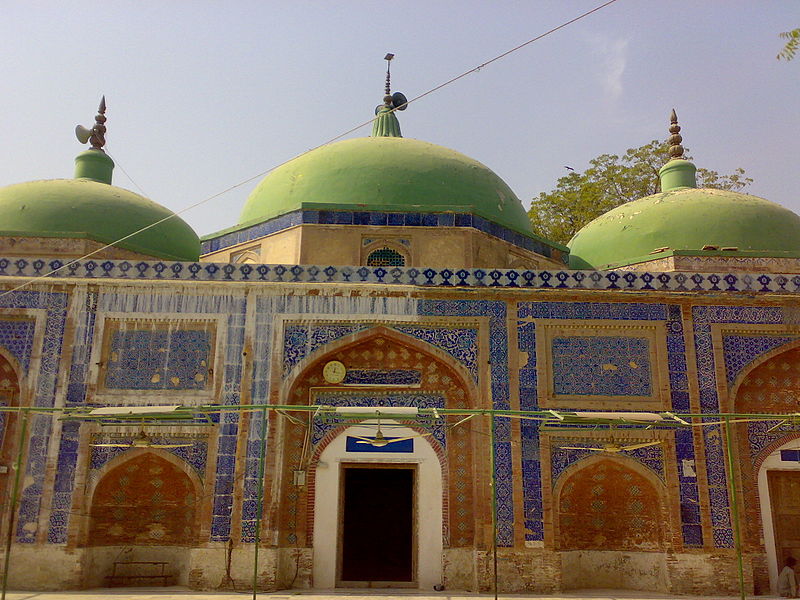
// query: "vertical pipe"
[[12, 508], [260, 509], [734, 506], [494, 505]]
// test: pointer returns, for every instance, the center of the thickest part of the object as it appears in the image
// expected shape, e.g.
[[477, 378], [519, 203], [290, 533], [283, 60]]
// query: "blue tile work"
[[16, 336], [741, 350], [691, 528], [76, 395], [326, 217], [703, 317], [233, 307], [561, 459], [322, 426], [461, 343], [498, 356], [251, 471], [195, 454], [526, 340], [623, 361], [383, 377], [445, 277], [148, 359], [40, 426], [300, 341]]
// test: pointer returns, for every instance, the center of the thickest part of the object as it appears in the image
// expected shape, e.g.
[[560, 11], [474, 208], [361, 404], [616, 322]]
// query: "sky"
[[203, 96]]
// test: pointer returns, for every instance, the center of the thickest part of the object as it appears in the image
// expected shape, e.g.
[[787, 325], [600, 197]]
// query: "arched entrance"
[[769, 459], [385, 368], [378, 513], [612, 524], [9, 434]]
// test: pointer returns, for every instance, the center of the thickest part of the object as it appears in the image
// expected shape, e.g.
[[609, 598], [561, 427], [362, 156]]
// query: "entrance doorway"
[[377, 542], [784, 493]]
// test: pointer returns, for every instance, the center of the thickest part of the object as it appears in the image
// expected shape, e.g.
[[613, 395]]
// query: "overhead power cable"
[[325, 143]]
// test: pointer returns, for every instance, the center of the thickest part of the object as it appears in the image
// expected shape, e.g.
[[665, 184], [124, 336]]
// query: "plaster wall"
[[428, 503], [611, 569], [435, 247], [39, 567], [64, 248]]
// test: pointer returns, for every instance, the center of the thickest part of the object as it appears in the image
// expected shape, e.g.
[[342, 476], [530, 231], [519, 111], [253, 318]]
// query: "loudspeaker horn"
[[82, 133]]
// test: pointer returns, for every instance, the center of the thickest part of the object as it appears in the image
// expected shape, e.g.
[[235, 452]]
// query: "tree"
[[790, 49], [609, 181]]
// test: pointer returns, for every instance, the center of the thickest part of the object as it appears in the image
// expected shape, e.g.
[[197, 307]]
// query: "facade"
[[388, 288]]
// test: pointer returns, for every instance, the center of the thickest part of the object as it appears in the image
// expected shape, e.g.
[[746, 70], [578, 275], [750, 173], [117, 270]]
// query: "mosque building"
[[382, 377]]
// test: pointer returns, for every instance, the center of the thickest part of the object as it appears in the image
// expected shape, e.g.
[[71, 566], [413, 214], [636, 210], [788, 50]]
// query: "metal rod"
[[737, 536], [260, 509], [494, 506], [12, 508]]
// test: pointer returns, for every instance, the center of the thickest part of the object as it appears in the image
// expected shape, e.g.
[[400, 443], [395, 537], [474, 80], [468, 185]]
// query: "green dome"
[[686, 219], [386, 174], [83, 208]]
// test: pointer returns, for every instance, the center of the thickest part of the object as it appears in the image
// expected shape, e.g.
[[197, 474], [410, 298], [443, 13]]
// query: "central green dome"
[[386, 174]]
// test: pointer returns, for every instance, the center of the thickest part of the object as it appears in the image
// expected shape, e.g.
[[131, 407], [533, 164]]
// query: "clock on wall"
[[334, 372]]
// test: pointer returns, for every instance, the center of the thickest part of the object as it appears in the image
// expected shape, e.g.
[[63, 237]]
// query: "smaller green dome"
[[84, 208], [686, 219]]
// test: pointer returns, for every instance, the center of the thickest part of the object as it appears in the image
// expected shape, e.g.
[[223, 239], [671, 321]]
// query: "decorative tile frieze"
[[428, 277]]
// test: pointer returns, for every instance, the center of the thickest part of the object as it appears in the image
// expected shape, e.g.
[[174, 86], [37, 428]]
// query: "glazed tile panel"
[[528, 381], [623, 361], [16, 336], [142, 359], [40, 426], [498, 355], [703, 318]]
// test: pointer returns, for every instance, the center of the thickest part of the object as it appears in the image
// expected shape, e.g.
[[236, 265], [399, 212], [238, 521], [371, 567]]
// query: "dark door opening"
[[377, 525]]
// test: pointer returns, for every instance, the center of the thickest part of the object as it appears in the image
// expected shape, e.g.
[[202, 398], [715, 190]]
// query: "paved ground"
[[179, 593]]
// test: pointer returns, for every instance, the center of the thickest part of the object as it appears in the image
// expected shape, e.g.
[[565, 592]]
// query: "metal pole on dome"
[[260, 509], [12, 508], [734, 506]]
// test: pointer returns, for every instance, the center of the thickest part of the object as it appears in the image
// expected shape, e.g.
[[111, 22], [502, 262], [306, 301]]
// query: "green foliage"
[[790, 49], [609, 181]]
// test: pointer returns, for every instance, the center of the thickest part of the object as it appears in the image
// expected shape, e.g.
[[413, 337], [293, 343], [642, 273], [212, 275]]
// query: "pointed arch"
[[752, 366], [443, 382], [610, 503], [144, 497], [328, 352]]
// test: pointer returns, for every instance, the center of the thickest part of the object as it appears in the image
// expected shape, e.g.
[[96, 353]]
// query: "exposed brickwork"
[[608, 506], [145, 501]]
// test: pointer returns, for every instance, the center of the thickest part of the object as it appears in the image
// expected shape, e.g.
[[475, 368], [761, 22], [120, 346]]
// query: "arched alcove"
[[144, 499], [611, 525]]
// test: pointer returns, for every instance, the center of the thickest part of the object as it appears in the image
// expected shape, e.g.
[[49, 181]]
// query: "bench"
[[130, 573]]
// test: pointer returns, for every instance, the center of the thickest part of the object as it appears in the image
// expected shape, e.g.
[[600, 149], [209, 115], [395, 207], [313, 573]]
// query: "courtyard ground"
[[179, 593]]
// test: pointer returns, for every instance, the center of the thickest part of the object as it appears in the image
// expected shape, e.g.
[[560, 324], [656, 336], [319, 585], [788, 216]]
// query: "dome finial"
[[386, 123], [675, 148], [94, 163], [388, 58], [678, 173], [97, 134]]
